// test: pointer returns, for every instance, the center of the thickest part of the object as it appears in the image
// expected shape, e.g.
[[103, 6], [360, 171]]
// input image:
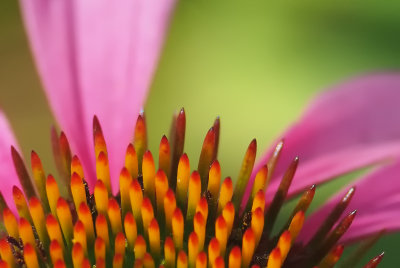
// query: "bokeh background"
[[255, 64]]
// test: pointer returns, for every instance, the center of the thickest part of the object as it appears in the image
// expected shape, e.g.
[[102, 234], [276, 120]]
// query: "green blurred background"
[[253, 63]]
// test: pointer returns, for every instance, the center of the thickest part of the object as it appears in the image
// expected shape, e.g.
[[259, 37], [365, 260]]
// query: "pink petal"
[[8, 175], [377, 200], [354, 124], [97, 57]]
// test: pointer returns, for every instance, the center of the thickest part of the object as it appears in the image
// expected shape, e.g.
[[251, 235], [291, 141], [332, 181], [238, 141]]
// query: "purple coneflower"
[[120, 210]]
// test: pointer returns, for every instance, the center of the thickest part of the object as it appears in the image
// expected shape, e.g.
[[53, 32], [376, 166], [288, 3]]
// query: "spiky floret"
[[170, 217]]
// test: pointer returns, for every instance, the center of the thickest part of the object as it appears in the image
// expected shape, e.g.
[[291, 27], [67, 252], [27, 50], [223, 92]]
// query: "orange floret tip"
[[169, 208], [80, 235], [101, 197], [20, 203], [177, 228], [102, 170], [10, 222], [193, 248], [34, 203], [214, 179], [39, 177], [102, 228], [161, 185], [260, 181], [248, 247], [53, 229], [37, 214], [56, 251], [99, 141], [199, 226], [30, 257], [225, 194], [130, 229], [201, 260], [78, 254], [235, 257], [65, 219], [194, 194], [131, 161], [118, 261], [114, 215], [182, 180], [26, 232], [6, 253], [138, 263], [78, 190], [259, 201], [296, 224], [100, 249], [76, 166], [202, 207], [36, 163], [136, 196], [86, 263], [125, 180], [154, 238], [148, 260], [275, 259], [85, 216], [59, 264], [221, 233], [182, 260], [257, 223], [140, 139], [100, 263], [213, 251], [169, 252], [53, 193], [62, 205], [149, 172], [3, 264], [140, 131], [102, 158], [147, 213], [284, 244], [120, 244], [219, 262], [229, 215], [140, 247]]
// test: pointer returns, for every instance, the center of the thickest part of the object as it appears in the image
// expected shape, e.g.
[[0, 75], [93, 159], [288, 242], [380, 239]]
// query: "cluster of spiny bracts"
[[171, 217]]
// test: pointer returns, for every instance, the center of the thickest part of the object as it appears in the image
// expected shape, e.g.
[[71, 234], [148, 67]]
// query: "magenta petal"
[[8, 175], [350, 126], [97, 57], [377, 200]]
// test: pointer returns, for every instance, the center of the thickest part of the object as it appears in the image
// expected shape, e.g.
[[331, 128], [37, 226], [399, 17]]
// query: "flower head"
[[166, 214], [95, 57]]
